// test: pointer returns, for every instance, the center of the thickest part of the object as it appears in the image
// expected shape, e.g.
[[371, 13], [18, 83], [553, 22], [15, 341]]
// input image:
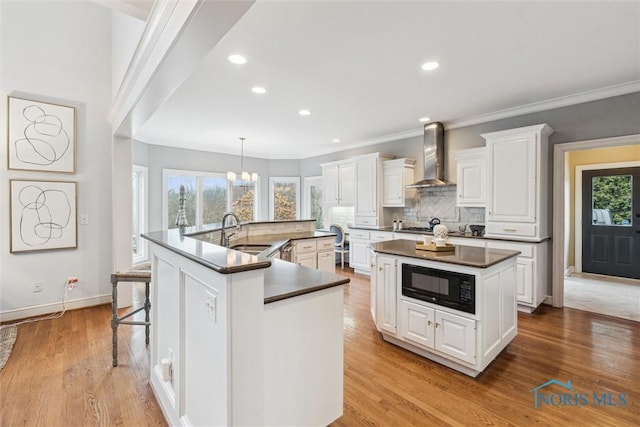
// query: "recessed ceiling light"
[[304, 112], [430, 66], [237, 59], [258, 89], [424, 119], [336, 140]]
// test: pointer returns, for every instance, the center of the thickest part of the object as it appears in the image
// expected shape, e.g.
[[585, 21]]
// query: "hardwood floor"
[[60, 374]]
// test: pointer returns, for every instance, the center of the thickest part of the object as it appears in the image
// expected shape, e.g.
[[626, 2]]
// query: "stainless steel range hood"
[[433, 157]]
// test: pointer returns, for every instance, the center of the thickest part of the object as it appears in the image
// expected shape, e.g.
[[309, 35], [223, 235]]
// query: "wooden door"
[[611, 222]]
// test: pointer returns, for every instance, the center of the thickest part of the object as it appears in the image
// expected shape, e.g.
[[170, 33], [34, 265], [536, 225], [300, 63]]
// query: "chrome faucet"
[[224, 239]]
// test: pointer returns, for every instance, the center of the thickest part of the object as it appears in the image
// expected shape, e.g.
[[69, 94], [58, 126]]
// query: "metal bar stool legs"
[[129, 276]]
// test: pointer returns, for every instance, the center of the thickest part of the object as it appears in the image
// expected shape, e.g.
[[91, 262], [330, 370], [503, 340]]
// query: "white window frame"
[[311, 181], [143, 213], [275, 179], [199, 175]]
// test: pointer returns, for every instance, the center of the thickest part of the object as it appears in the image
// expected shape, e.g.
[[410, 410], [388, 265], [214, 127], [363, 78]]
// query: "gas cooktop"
[[417, 229]]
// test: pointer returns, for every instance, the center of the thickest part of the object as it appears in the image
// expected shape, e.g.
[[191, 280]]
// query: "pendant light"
[[244, 176]]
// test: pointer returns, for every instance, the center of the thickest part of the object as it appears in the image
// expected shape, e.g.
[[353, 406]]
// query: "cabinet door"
[[306, 259], [330, 185], [327, 261], [359, 257], [347, 187], [386, 293], [417, 323], [471, 183], [512, 164], [393, 187], [524, 280], [366, 187], [456, 336]]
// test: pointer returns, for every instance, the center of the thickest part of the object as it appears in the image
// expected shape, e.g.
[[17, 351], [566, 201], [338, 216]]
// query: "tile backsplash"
[[439, 202]]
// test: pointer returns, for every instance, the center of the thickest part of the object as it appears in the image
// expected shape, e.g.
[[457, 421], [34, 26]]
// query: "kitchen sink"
[[250, 249]]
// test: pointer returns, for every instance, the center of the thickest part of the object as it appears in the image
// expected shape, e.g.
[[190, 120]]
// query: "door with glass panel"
[[611, 222]]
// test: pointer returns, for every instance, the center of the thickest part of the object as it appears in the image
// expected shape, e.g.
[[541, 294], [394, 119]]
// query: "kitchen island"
[[239, 339], [456, 308]]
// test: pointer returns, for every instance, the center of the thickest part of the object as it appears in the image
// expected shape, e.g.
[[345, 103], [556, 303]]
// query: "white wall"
[[60, 52], [126, 32]]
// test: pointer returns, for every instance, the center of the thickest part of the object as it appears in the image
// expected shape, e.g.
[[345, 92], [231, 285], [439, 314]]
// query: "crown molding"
[[564, 101]]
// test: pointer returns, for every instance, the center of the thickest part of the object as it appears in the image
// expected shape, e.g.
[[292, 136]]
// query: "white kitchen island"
[[464, 341], [242, 340]]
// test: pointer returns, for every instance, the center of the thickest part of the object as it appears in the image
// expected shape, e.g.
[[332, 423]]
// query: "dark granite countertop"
[[463, 255], [217, 258], [286, 280], [282, 279]]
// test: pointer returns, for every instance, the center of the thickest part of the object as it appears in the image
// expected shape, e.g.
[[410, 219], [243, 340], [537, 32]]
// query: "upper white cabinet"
[[397, 174], [472, 177], [338, 183], [368, 181], [517, 178]]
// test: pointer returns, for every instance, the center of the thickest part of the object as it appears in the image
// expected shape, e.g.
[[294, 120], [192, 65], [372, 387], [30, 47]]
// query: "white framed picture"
[[43, 215], [41, 136]]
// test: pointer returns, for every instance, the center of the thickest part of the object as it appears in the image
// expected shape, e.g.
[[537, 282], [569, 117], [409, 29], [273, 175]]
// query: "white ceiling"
[[356, 66]]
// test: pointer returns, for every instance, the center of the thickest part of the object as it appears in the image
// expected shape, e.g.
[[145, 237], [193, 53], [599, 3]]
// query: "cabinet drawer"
[[510, 229], [380, 236], [358, 234], [304, 246], [323, 244], [367, 221], [526, 250]]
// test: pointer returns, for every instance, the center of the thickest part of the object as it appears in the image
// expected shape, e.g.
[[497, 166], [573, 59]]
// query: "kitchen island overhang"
[[247, 340], [462, 340]]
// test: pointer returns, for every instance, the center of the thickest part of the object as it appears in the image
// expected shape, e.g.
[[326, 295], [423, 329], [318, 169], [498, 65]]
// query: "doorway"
[[611, 222], [562, 231]]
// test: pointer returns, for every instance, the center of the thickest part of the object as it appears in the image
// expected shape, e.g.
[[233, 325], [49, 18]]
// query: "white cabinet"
[[327, 261], [517, 178], [314, 253], [386, 302], [455, 336], [338, 183], [531, 271], [397, 174], [368, 185], [417, 323], [360, 254], [471, 174], [434, 329]]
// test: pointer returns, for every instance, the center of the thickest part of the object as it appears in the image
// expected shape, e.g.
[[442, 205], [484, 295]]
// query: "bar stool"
[[129, 276]]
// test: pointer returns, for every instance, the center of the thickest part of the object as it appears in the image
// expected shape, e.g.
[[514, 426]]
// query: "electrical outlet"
[[37, 287]]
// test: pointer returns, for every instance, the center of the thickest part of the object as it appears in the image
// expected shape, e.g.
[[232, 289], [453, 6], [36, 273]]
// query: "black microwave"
[[446, 288]]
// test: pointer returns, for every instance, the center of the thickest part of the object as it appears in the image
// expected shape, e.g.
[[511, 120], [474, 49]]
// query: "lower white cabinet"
[[531, 272], [386, 293], [360, 255], [315, 253], [434, 329]]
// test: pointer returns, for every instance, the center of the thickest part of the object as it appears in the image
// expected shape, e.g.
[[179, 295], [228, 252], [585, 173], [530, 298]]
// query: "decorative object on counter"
[[477, 230], [440, 232], [181, 218], [395, 224], [400, 226], [433, 247], [462, 228], [245, 177], [434, 222], [341, 246]]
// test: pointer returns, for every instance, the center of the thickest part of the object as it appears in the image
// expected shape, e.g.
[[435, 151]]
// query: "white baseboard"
[[569, 270], [548, 300], [39, 310]]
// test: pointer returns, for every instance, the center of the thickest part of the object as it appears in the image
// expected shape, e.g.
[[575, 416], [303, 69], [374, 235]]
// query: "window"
[[208, 197], [284, 198], [312, 206], [140, 218]]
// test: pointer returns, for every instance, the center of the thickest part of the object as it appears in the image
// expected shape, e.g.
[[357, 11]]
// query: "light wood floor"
[[60, 374]]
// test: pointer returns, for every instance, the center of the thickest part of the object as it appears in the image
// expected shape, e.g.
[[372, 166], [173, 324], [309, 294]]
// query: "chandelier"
[[244, 176]]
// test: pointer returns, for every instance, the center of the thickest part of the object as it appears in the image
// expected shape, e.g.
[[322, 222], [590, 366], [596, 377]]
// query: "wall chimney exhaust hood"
[[433, 157]]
